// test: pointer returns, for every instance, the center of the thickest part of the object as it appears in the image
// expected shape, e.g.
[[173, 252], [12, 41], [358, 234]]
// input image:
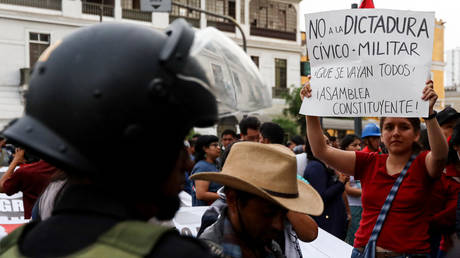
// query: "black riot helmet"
[[115, 101]]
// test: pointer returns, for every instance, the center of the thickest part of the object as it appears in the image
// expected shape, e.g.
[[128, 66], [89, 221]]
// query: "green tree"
[[290, 127], [190, 134], [294, 103]]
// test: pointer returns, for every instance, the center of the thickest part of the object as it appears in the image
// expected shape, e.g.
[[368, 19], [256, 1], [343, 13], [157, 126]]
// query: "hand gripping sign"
[[368, 62]]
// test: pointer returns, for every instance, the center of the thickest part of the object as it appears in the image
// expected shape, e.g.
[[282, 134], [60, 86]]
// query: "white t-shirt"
[[354, 201], [301, 163]]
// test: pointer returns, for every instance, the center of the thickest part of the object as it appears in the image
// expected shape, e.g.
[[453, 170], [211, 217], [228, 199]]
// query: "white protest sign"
[[368, 62], [11, 210], [188, 221]]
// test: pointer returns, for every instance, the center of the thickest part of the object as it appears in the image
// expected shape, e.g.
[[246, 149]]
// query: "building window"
[[269, 18], [305, 68], [231, 9], [280, 73], [192, 17], [281, 24], [131, 4], [38, 42], [221, 7], [255, 59], [242, 12]]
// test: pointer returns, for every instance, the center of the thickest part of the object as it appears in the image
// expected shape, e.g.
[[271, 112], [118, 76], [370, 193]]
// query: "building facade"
[[452, 73], [438, 64], [453, 69], [30, 26]]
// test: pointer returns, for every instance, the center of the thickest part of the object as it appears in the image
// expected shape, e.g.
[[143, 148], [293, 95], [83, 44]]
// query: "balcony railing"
[[92, 8], [270, 33], [192, 17], [138, 15], [194, 22], [450, 88], [46, 4], [223, 26], [278, 92]]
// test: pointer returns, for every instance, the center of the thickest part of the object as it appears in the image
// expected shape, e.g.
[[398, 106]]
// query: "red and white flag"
[[367, 4]]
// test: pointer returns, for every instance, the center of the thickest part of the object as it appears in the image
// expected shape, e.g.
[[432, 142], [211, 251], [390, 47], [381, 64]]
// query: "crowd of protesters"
[[427, 228], [388, 191], [345, 192]]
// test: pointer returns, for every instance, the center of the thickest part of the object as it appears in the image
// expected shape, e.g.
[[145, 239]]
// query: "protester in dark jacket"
[[331, 188], [443, 200]]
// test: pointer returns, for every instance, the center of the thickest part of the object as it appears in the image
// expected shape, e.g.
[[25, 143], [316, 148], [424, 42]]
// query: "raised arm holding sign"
[[368, 62], [381, 74], [406, 228]]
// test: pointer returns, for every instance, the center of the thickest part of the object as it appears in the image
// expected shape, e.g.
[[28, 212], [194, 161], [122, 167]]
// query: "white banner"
[[11, 210], [188, 221], [368, 62]]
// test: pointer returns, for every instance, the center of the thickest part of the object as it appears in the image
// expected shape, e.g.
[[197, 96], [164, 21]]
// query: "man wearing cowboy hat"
[[260, 186]]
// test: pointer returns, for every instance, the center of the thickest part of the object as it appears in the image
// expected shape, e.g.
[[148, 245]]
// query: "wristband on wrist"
[[431, 116]]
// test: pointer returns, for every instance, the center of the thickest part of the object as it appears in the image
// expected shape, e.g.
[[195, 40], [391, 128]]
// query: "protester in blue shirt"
[[207, 151]]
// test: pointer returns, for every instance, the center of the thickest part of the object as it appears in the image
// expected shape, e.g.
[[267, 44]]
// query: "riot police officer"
[[110, 105]]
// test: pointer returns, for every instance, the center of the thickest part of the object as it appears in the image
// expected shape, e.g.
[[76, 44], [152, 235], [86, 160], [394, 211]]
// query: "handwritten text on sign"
[[368, 62]]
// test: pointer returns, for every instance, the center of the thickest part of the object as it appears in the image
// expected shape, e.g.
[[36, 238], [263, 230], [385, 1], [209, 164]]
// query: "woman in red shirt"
[[405, 231]]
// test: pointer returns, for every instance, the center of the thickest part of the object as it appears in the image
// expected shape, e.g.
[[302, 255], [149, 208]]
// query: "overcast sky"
[[447, 10]]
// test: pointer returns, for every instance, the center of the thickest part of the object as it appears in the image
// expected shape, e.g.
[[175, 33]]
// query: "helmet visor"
[[234, 79]]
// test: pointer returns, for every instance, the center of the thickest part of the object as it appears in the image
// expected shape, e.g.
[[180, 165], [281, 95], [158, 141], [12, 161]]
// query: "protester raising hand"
[[17, 160], [19, 156], [306, 89], [429, 94], [405, 229], [343, 178]]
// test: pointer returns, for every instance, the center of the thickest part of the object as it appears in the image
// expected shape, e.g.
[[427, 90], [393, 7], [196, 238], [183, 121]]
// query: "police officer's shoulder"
[[174, 245]]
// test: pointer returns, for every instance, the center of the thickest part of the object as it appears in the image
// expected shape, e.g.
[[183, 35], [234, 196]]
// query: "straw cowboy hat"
[[268, 171]]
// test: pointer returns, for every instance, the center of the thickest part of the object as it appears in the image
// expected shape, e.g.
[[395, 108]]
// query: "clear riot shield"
[[235, 79]]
